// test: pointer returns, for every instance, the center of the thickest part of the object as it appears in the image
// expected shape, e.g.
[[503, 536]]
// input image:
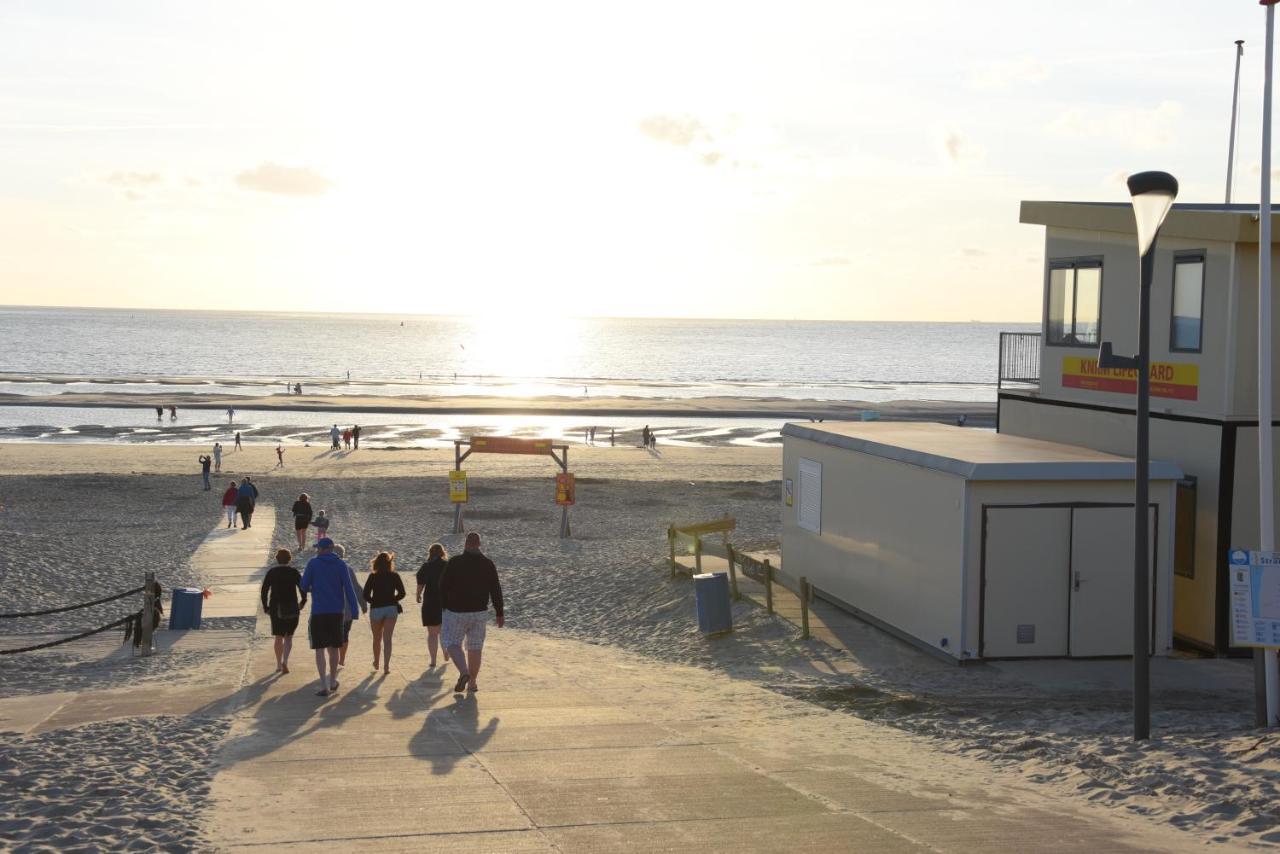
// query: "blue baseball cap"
[[324, 543]]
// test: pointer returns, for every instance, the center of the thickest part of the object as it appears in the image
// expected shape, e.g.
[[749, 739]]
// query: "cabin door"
[[1102, 580], [1026, 563]]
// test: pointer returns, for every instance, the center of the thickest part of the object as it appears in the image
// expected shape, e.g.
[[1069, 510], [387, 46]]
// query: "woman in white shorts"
[[383, 590]]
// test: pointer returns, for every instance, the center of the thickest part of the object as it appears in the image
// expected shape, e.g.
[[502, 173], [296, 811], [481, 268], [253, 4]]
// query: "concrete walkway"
[[573, 747], [233, 561]]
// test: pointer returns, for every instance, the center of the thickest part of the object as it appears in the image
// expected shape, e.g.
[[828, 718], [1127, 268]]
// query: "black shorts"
[[346, 631], [301, 523], [325, 631], [284, 626], [432, 614]]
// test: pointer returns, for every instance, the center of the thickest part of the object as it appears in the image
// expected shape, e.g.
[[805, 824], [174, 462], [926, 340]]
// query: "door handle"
[[1075, 585]]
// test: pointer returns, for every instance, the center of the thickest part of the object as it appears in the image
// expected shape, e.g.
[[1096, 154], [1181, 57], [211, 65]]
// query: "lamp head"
[[1152, 194]]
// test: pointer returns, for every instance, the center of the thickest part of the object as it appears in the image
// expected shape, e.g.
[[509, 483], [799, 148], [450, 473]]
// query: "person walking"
[[280, 591], [297, 388], [206, 465], [644, 434], [335, 437], [346, 439], [159, 413], [327, 579], [246, 498], [321, 524], [279, 456], [429, 595], [349, 615], [173, 413], [229, 503], [217, 457], [355, 436], [469, 582], [238, 448], [383, 591], [231, 415], [301, 519]]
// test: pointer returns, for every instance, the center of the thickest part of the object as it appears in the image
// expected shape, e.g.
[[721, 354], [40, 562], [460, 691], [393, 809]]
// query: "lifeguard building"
[[1204, 370], [974, 545]]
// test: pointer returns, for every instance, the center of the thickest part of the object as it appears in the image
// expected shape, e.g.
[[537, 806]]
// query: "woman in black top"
[[383, 590], [429, 595], [302, 519], [280, 598]]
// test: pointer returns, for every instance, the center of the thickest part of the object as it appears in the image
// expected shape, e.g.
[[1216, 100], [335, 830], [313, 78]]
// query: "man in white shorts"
[[469, 581]]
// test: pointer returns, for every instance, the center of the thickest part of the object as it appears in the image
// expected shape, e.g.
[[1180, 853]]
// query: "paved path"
[[572, 747], [233, 561]]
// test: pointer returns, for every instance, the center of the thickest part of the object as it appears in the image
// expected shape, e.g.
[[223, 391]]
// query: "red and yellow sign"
[[506, 445], [458, 487], [1168, 379], [564, 489]]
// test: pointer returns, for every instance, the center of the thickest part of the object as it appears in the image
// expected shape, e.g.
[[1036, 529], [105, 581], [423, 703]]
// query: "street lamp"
[[1152, 194]]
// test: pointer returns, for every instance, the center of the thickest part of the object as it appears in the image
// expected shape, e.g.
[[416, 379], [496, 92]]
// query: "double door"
[[1058, 581]]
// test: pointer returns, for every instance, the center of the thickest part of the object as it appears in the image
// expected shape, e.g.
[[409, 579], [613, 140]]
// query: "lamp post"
[[1152, 194]]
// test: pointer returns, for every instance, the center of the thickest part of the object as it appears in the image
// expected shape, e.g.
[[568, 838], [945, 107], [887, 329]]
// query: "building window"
[[809, 514], [1184, 529], [1188, 302], [1075, 300]]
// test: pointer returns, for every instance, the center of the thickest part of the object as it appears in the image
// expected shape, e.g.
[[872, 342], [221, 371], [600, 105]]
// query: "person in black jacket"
[[383, 590], [469, 581], [280, 593], [429, 596], [301, 519]]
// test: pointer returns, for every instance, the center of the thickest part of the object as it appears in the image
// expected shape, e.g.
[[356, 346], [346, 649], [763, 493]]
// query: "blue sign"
[[1255, 598]]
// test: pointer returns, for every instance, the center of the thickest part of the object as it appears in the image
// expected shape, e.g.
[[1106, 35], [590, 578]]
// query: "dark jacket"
[[469, 581], [429, 577], [280, 591], [383, 588]]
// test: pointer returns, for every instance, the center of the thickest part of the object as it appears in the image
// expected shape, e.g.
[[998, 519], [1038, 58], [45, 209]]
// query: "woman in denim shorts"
[[383, 590]]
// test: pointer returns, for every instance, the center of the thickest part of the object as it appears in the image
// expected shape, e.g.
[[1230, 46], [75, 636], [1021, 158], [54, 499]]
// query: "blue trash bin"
[[711, 593], [185, 609]]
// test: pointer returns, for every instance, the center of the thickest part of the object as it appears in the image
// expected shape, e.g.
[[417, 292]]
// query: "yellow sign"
[[458, 487], [1176, 380], [564, 489]]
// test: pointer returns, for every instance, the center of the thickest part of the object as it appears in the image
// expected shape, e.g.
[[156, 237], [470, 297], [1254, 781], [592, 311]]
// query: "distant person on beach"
[[297, 388], [429, 596], [246, 498], [229, 503], [469, 582], [321, 524], [206, 465], [301, 519], [238, 448], [231, 414], [279, 456], [644, 435], [355, 436], [349, 615], [159, 413], [217, 457], [280, 591], [328, 579], [383, 591], [173, 413], [613, 437], [334, 437]]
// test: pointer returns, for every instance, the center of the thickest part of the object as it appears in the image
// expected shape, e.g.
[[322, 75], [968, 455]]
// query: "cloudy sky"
[[843, 160]]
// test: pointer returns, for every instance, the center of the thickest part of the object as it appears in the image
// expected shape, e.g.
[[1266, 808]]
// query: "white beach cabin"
[[973, 544]]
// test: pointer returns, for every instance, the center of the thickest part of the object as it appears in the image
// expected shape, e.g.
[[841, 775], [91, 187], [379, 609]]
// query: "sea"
[[56, 351]]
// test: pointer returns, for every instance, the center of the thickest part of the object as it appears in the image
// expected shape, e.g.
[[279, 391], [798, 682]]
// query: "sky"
[[845, 160]]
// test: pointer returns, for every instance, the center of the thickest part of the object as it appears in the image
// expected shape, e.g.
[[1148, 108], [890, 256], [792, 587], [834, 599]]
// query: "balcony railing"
[[1019, 359]]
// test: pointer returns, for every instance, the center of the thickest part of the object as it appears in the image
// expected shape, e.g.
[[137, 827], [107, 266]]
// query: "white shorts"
[[460, 624]]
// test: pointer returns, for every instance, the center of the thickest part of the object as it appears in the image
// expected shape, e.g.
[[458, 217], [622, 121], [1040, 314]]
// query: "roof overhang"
[[1227, 223]]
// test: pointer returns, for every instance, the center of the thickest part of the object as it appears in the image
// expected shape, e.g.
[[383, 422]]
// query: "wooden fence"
[[761, 571]]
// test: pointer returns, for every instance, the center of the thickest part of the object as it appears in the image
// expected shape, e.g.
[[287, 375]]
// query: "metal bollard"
[[768, 586]]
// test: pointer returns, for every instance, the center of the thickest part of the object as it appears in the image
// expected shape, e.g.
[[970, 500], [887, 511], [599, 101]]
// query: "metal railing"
[[1019, 359]]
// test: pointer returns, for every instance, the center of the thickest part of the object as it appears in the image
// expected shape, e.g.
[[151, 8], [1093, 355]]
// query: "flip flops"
[[461, 684]]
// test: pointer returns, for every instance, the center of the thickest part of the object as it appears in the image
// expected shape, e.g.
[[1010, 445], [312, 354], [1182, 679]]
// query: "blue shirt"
[[328, 580], [247, 490]]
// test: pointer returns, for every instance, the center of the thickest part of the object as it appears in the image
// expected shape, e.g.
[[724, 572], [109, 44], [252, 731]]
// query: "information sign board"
[[458, 487], [507, 445], [1255, 598]]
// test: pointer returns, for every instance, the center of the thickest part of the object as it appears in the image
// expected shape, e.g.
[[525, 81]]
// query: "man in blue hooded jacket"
[[328, 582]]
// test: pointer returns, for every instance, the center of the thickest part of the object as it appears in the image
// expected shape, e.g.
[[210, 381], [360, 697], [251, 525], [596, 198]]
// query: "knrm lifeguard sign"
[[1168, 379]]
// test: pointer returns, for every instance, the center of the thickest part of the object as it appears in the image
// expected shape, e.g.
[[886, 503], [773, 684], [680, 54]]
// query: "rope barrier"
[[119, 622], [73, 607]]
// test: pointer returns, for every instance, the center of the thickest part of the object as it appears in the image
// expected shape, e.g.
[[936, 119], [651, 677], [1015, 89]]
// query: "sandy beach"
[[82, 518]]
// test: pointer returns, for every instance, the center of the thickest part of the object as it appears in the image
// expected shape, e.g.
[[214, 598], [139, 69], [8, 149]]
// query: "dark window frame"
[[1086, 262], [1178, 258]]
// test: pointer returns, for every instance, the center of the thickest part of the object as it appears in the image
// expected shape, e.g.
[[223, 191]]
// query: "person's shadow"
[[459, 722]]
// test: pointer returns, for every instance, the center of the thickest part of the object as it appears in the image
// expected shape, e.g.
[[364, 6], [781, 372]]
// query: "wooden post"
[[804, 607], [148, 612], [697, 555], [733, 575], [671, 542], [768, 585]]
